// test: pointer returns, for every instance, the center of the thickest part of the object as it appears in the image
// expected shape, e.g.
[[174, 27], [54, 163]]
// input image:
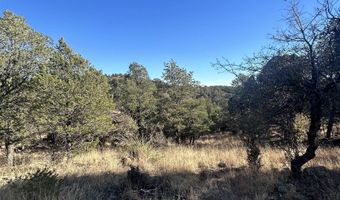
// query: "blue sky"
[[113, 33]]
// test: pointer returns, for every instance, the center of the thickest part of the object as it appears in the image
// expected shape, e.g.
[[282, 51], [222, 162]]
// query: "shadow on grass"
[[228, 183]]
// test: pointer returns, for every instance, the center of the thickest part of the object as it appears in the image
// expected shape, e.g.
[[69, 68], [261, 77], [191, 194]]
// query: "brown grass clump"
[[215, 168]]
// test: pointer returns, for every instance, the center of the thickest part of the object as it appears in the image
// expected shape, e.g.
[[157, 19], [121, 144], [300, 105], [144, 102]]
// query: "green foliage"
[[173, 107], [185, 115], [134, 95], [72, 99], [22, 52], [246, 108], [54, 93], [273, 97], [267, 103], [180, 82], [217, 105]]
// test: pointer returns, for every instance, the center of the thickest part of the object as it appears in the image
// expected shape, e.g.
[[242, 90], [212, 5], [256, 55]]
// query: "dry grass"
[[192, 172]]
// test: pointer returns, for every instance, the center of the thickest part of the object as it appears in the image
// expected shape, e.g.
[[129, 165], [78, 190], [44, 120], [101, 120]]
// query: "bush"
[[138, 153]]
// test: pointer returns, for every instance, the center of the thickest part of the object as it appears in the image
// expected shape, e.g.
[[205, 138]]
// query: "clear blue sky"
[[113, 33]]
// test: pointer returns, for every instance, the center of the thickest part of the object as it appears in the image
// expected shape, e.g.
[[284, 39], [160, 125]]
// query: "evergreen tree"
[[73, 103], [185, 115], [22, 52], [134, 94]]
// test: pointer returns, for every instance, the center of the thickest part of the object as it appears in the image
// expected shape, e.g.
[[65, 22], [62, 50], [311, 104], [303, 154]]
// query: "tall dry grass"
[[192, 172]]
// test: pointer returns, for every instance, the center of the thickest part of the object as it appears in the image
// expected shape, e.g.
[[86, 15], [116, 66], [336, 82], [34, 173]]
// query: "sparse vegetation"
[[68, 131], [179, 172]]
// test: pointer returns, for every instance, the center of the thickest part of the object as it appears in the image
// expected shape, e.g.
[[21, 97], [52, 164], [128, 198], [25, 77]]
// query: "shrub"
[[139, 153]]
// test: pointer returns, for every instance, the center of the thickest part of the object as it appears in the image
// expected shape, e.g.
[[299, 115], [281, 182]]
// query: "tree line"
[[51, 97], [176, 106]]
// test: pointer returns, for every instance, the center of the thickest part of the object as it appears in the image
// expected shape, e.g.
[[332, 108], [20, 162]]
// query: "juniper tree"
[[185, 115], [134, 94], [73, 103], [22, 52]]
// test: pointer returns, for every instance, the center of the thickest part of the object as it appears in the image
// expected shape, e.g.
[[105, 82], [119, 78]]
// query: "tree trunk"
[[10, 154], [101, 144], [193, 139], [330, 120], [68, 146], [314, 128], [253, 153]]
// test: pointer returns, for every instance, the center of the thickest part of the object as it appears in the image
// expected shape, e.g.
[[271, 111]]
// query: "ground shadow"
[[227, 183]]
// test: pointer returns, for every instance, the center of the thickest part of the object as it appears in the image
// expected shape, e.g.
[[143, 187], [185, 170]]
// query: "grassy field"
[[172, 172]]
